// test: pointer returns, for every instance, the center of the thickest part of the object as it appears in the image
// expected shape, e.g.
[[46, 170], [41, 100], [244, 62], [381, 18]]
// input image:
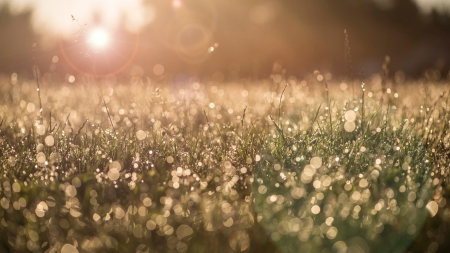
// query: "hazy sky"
[[53, 16]]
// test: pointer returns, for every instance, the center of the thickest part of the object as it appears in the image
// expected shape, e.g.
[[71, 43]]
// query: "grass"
[[205, 167]]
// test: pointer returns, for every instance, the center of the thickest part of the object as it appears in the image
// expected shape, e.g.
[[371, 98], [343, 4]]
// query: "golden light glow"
[[53, 17], [99, 38]]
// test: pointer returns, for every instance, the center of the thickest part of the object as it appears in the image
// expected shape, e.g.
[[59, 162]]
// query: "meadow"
[[276, 165]]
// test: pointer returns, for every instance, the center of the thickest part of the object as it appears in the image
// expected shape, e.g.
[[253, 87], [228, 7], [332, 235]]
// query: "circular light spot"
[[31, 107], [33, 236], [96, 217], [331, 233], [228, 223], [115, 165], [309, 170], [75, 213], [49, 140], [316, 162], [76, 182], [147, 202], [239, 240], [433, 208], [71, 191], [412, 196], [349, 126], [150, 225], [339, 247], [40, 129], [170, 159], [113, 174], [68, 248], [16, 187], [350, 115], [262, 189], [315, 209], [119, 212], [363, 183], [184, 231], [40, 157], [140, 135]]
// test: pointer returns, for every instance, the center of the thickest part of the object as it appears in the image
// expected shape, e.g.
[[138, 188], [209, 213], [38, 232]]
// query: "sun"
[[98, 38]]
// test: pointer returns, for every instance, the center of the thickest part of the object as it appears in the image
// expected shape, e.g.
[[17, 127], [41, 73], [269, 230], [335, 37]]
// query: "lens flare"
[[98, 38]]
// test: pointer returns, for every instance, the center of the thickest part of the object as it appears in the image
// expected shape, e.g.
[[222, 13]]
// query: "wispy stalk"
[[243, 117], [279, 106], [362, 102], [36, 76], [329, 108], [348, 58]]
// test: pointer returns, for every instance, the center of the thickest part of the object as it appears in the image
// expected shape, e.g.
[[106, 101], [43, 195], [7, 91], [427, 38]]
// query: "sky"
[[51, 16], [208, 34]]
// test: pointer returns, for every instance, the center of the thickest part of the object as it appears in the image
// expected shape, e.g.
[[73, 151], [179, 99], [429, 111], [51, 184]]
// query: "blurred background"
[[225, 39]]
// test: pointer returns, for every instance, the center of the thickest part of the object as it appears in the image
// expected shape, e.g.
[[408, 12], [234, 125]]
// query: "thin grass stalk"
[[349, 66], [36, 77], [101, 94]]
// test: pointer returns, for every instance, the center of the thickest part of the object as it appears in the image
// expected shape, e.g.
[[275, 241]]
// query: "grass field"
[[281, 165]]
